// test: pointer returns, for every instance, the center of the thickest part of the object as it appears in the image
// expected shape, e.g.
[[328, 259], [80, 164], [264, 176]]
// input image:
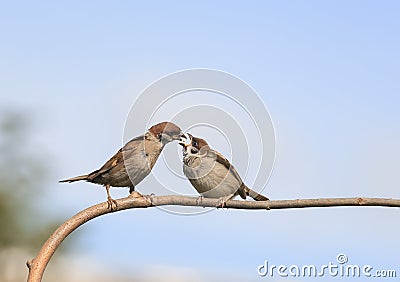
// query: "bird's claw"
[[222, 202], [149, 198], [199, 200], [110, 202]]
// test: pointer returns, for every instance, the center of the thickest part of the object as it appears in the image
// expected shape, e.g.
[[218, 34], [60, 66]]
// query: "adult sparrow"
[[211, 174], [134, 161]]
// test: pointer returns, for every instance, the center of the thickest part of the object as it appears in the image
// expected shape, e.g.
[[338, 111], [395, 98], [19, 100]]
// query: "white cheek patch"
[[184, 150], [188, 151]]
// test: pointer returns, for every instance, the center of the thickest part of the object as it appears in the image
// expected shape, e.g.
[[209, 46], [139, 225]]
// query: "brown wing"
[[118, 158], [221, 159]]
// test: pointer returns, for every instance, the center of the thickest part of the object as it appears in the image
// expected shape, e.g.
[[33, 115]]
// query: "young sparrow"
[[210, 173], [134, 161]]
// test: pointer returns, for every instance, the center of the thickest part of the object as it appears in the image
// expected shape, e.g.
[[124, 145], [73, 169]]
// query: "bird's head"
[[166, 132], [193, 145]]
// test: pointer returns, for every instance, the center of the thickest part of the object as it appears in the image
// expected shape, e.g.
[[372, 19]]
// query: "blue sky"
[[327, 71]]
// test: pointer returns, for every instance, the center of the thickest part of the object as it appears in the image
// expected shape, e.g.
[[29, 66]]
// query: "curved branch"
[[37, 265]]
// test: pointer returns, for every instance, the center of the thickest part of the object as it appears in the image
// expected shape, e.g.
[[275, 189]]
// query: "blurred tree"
[[23, 170]]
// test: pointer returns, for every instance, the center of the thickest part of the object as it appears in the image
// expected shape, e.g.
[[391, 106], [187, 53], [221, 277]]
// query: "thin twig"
[[38, 265]]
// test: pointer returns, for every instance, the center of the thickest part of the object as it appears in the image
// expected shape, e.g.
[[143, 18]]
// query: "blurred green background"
[[24, 171]]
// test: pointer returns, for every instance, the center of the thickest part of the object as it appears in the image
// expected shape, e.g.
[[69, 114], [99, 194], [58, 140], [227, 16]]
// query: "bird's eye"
[[194, 143]]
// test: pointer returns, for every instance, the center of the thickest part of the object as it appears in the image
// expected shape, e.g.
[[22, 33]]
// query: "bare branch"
[[37, 265]]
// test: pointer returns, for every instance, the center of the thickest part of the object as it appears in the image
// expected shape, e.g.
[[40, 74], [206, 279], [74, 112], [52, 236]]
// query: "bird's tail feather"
[[73, 179], [253, 194]]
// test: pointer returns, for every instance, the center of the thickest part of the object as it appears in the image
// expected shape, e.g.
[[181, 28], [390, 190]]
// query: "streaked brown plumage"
[[134, 161], [211, 174]]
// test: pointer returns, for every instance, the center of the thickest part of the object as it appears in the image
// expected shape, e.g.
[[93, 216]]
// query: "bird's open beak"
[[184, 140]]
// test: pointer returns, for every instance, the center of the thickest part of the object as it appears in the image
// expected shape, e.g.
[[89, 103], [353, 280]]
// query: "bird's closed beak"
[[177, 136], [184, 140]]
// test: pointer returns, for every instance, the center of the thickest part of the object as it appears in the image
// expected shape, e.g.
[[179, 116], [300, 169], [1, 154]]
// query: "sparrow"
[[134, 161], [211, 174]]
